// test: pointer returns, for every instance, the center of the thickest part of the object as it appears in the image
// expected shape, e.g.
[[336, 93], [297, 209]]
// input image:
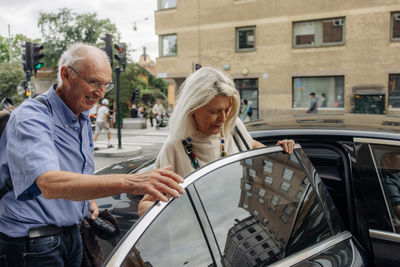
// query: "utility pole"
[[117, 72], [9, 44]]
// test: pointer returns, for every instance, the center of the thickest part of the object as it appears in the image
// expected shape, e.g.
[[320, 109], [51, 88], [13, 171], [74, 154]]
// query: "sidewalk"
[[130, 150]]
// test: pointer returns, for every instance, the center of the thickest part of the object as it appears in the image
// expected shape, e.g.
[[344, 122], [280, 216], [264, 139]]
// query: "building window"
[[284, 219], [261, 192], [287, 174], [274, 201], [166, 4], [249, 195], [168, 45], [255, 212], [288, 210], [298, 195], [245, 206], [395, 25], [248, 89], [261, 200], [318, 32], [251, 173], [329, 91], [268, 165], [247, 186], [394, 91], [268, 180], [249, 161], [245, 38], [293, 158], [285, 186]]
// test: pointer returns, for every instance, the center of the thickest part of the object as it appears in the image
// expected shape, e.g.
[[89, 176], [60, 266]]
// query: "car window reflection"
[[254, 204]]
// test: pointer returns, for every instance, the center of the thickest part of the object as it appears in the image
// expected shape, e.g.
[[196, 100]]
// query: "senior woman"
[[204, 126]]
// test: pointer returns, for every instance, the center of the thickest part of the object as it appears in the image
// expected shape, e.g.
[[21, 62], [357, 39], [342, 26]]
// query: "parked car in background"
[[332, 202]]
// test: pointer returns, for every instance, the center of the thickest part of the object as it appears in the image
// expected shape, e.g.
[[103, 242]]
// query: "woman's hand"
[[287, 144]]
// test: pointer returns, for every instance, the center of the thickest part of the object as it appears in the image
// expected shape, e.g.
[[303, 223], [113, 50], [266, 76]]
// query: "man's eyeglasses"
[[96, 84]]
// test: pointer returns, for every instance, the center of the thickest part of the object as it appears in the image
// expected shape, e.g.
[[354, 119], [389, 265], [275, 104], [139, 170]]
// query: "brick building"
[[277, 52]]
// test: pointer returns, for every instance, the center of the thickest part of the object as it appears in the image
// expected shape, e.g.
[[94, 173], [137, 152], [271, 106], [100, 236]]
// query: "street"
[[149, 139]]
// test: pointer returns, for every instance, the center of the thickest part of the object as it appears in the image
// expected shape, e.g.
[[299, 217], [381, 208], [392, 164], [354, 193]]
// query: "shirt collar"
[[60, 108]]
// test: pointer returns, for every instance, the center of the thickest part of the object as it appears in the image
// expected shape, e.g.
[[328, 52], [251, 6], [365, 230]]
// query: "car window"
[[261, 207], [376, 210], [387, 159], [173, 239]]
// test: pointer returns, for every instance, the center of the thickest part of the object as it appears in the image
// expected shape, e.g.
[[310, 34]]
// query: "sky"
[[22, 16]]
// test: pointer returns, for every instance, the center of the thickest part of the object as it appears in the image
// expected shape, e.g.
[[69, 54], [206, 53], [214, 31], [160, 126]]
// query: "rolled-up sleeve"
[[30, 151]]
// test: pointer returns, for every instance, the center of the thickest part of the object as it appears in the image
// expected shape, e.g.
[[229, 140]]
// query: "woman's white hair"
[[71, 56], [197, 91]]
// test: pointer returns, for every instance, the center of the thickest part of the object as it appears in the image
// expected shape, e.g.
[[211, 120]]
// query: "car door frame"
[[377, 235], [122, 250]]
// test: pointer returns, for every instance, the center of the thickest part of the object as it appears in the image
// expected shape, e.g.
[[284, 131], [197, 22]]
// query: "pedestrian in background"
[[246, 111], [313, 104], [159, 113], [103, 122], [47, 162], [324, 101], [151, 116]]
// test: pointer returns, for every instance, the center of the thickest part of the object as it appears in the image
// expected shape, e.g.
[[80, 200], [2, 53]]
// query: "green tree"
[[65, 27], [10, 76], [17, 43]]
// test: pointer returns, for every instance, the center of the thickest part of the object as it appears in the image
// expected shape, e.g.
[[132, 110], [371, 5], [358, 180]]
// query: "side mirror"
[[8, 104]]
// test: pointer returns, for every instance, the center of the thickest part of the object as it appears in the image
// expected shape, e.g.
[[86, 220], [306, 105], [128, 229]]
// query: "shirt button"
[[66, 125]]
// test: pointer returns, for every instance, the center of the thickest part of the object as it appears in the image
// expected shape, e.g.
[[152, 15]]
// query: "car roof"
[[354, 125]]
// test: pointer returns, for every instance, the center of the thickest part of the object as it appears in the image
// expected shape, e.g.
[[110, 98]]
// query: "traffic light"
[[108, 48], [121, 54], [27, 57], [37, 56], [135, 95], [197, 66]]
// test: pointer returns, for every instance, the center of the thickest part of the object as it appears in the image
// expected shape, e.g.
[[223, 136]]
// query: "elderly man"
[[47, 152]]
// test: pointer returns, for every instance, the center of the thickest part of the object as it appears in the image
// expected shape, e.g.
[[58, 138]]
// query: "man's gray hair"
[[198, 90], [71, 56]]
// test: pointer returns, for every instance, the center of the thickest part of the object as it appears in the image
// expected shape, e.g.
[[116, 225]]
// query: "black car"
[[330, 203]]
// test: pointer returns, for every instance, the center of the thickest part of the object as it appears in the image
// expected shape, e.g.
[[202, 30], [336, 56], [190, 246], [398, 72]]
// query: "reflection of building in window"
[[256, 245], [268, 165], [293, 157], [287, 174], [274, 202], [268, 180], [252, 173], [249, 161], [285, 186]]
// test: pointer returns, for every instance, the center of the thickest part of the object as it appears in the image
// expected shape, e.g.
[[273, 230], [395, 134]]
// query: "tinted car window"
[[173, 239], [260, 207], [374, 201], [387, 159]]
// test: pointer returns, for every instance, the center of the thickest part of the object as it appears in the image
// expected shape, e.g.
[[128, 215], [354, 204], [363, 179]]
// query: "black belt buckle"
[[44, 231]]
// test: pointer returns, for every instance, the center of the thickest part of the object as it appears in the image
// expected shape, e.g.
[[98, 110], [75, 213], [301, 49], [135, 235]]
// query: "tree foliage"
[[65, 27], [149, 86], [10, 76], [17, 43]]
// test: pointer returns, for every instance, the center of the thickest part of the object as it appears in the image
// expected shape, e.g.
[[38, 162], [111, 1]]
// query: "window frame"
[[237, 30], [159, 5], [161, 45], [318, 34], [392, 15]]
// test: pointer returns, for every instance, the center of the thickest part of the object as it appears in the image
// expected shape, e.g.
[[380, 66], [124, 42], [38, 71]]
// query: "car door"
[[378, 163], [253, 208]]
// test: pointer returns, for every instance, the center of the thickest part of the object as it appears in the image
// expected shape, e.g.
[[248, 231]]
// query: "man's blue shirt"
[[36, 141]]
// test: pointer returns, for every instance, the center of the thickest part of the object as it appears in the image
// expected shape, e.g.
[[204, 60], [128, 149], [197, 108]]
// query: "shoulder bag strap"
[[242, 138]]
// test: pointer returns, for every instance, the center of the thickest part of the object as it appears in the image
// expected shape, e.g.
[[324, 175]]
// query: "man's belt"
[[49, 230]]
